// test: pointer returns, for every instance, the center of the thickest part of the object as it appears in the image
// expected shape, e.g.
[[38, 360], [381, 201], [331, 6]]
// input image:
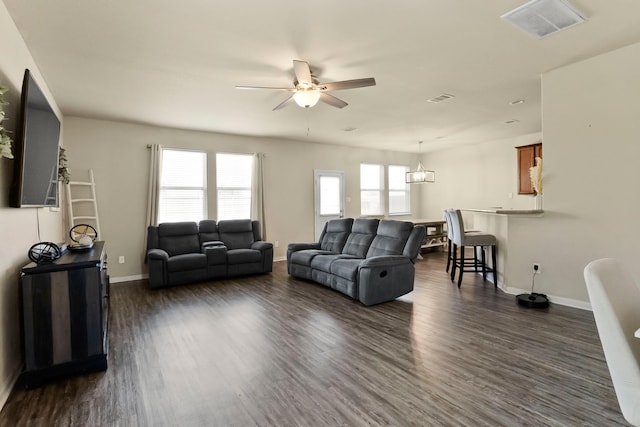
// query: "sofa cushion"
[[187, 262], [362, 234], [178, 238], [243, 256], [346, 268], [236, 234], [304, 257], [323, 262], [208, 231], [391, 238], [335, 234]]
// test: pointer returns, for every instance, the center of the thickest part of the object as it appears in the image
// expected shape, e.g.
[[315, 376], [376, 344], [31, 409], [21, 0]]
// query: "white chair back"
[[457, 226], [615, 300]]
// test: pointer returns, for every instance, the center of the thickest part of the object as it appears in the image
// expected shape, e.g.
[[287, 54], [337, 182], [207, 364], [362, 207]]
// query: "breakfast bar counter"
[[512, 228]]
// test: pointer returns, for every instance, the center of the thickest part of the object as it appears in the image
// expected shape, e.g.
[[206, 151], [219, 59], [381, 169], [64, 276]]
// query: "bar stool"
[[475, 239], [450, 230]]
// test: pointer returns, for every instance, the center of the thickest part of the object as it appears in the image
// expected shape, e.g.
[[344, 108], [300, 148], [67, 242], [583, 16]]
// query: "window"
[[183, 186], [233, 181], [371, 189], [399, 191]]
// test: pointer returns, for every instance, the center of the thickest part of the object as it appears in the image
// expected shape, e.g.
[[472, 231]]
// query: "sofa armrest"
[[211, 244], [384, 278], [294, 247], [385, 261], [216, 254], [157, 254], [157, 260], [262, 246]]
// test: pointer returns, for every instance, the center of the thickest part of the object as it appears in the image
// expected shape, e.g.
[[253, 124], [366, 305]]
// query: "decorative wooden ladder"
[[81, 203]]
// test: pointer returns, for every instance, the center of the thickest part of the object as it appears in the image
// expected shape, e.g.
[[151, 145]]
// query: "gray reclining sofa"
[[369, 260], [186, 252]]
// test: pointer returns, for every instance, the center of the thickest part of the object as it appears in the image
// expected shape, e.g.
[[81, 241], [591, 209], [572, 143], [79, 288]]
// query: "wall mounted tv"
[[35, 174]]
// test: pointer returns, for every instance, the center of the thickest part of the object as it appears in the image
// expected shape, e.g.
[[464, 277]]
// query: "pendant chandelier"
[[420, 175]]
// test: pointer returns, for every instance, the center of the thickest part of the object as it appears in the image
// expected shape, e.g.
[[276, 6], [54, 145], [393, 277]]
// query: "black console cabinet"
[[65, 313]]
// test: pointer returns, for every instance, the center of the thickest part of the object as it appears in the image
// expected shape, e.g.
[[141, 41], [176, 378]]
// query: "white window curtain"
[[153, 193], [257, 193]]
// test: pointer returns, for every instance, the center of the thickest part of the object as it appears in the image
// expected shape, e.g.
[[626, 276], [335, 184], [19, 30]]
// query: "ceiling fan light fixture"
[[306, 97]]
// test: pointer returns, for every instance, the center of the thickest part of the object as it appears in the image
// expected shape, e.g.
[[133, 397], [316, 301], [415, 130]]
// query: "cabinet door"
[[526, 160]]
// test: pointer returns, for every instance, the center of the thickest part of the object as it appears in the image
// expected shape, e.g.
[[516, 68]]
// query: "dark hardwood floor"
[[275, 351]]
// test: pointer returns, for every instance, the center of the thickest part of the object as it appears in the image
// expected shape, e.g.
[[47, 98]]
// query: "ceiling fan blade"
[[284, 103], [302, 72], [348, 84], [332, 100], [290, 89]]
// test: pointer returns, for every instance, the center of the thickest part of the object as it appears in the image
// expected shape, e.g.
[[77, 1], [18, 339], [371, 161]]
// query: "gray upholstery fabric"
[[323, 262], [236, 234], [186, 262], [462, 238], [208, 231], [335, 234], [178, 238], [386, 273], [414, 242], [186, 252], [362, 234], [346, 268], [243, 256], [390, 238]]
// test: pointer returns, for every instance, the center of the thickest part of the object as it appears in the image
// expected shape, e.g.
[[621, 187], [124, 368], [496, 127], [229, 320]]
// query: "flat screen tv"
[[35, 174]]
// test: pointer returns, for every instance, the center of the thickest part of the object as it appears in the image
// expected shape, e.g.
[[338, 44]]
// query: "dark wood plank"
[[273, 350]]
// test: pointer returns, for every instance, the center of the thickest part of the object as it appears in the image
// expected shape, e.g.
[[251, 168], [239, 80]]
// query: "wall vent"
[[539, 18], [440, 98]]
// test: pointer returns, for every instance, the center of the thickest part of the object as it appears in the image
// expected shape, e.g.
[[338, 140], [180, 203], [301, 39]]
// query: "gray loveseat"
[[369, 260], [186, 252]]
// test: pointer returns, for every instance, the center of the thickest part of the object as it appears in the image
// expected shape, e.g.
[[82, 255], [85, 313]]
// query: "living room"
[[588, 125]]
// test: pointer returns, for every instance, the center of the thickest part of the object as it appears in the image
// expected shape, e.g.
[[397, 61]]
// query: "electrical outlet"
[[121, 259], [276, 244], [536, 268]]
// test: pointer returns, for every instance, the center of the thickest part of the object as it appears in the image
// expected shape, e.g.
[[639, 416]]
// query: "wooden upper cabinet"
[[526, 159]]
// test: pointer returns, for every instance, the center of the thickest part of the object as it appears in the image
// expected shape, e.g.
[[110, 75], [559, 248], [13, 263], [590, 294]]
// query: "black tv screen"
[[35, 175]]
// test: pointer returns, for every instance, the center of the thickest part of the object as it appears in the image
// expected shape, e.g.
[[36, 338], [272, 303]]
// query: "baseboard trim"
[[282, 258], [128, 278]]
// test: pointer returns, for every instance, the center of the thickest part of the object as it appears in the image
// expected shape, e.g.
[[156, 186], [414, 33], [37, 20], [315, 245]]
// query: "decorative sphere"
[[85, 241]]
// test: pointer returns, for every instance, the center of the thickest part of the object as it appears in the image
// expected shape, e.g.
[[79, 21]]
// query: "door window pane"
[[329, 195]]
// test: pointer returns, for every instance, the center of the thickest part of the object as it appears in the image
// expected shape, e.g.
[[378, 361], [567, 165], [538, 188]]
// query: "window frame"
[[406, 191], [380, 191], [202, 188], [219, 188]]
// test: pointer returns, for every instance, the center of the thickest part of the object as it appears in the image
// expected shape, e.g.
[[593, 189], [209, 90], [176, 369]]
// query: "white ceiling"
[[175, 64]]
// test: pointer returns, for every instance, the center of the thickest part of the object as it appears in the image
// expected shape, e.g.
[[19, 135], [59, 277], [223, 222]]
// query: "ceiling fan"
[[307, 90]]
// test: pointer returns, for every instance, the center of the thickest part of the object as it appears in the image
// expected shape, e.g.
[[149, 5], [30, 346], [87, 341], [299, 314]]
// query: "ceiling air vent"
[[539, 18], [440, 98]]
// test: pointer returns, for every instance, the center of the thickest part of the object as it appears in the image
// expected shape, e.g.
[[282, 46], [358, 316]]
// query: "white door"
[[329, 197]]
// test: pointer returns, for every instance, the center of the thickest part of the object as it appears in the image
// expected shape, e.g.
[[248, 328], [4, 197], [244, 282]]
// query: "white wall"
[[18, 227], [117, 152], [591, 146], [591, 126]]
